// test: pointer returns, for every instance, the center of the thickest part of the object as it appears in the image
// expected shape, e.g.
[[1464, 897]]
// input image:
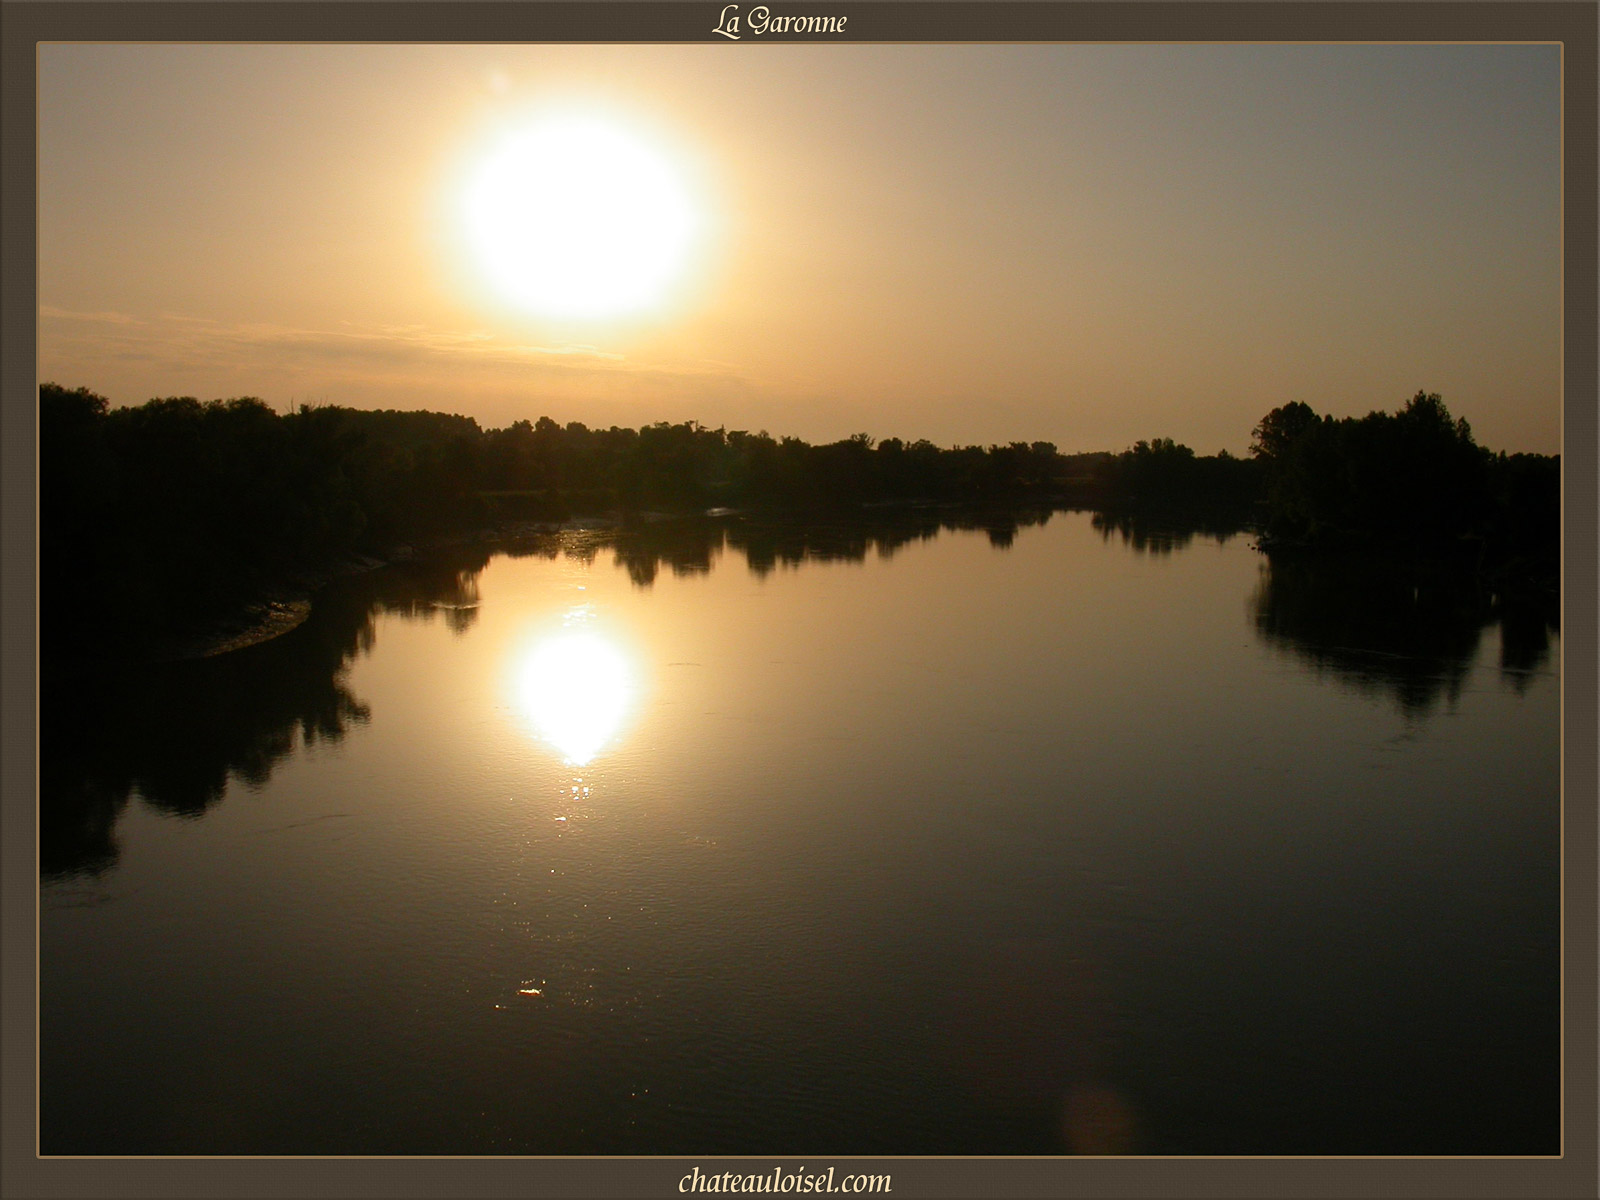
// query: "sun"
[[578, 217]]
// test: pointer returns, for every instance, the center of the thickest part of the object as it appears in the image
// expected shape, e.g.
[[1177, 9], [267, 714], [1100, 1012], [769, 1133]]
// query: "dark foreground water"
[[881, 839]]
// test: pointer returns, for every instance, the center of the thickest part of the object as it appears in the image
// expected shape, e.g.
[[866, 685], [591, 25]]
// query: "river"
[[914, 836]]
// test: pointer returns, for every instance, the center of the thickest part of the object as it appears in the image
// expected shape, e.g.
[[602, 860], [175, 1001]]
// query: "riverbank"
[[285, 607], [282, 608]]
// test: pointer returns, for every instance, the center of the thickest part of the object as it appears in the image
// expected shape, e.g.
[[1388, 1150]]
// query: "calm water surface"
[[736, 839]]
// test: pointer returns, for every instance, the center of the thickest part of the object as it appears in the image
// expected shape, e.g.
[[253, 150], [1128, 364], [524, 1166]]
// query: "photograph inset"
[[847, 600]]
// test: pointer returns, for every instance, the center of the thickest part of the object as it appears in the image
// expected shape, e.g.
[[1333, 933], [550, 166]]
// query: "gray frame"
[[24, 24]]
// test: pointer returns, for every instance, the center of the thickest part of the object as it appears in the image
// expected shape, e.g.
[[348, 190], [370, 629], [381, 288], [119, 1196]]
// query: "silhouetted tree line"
[[159, 517], [1162, 475], [1413, 479], [155, 517], [542, 468]]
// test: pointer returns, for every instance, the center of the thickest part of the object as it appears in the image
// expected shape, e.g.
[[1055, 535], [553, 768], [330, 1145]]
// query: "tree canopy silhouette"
[[163, 515], [1413, 479]]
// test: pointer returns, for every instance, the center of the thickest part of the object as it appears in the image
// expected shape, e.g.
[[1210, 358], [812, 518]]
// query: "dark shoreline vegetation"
[[178, 527]]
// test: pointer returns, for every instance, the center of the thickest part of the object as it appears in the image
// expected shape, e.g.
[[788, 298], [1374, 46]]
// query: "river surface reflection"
[[576, 687], [1036, 834]]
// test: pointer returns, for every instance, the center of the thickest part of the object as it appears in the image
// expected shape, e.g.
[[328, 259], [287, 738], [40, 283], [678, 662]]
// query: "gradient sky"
[[1083, 244]]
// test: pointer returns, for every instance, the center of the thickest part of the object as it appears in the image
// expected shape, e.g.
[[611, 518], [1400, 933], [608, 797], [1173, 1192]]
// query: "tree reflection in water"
[[1146, 534], [176, 733], [1404, 629], [691, 547]]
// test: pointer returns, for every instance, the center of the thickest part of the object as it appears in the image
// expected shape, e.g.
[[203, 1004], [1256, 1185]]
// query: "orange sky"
[[1083, 244]]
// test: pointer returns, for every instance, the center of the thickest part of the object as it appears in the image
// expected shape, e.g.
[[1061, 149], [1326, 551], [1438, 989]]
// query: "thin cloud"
[[130, 358], [189, 341], [104, 318]]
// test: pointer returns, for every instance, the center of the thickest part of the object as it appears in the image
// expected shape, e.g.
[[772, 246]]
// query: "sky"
[[1082, 244]]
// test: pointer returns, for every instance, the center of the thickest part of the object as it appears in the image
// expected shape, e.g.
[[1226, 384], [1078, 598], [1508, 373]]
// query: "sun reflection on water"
[[576, 687]]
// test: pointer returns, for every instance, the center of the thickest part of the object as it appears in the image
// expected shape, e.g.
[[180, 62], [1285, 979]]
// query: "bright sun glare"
[[575, 217], [576, 687]]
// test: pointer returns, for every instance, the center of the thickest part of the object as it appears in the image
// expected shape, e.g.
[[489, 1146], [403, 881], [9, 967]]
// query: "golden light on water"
[[576, 687], [576, 217]]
